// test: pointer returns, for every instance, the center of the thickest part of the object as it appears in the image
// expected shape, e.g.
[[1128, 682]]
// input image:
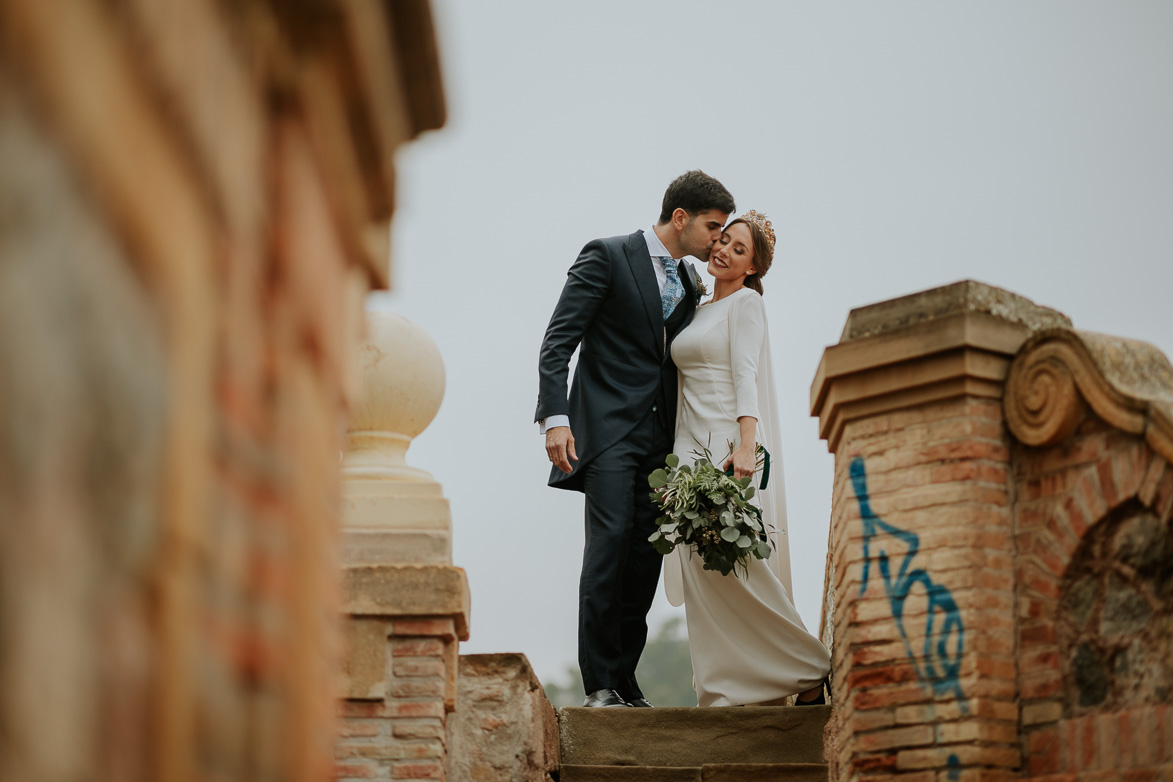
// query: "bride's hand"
[[744, 460]]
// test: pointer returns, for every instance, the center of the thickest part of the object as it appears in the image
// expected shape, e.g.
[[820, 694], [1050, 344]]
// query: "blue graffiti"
[[939, 663]]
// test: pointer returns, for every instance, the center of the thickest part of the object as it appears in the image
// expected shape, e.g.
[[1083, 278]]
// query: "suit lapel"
[[691, 296], [640, 262], [689, 279]]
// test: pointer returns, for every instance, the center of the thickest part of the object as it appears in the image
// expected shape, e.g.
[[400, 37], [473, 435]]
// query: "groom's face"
[[701, 231]]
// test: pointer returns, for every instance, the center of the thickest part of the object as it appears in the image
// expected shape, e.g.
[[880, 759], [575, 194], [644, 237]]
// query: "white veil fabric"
[[772, 500]]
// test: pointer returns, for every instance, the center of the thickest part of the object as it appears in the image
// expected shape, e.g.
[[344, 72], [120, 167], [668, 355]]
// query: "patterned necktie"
[[673, 289]]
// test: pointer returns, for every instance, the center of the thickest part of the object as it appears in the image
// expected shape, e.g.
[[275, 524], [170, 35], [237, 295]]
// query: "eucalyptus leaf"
[[672, 461], [749, 493], [655, 536], [730, 534], [745, 541], [762, 550]]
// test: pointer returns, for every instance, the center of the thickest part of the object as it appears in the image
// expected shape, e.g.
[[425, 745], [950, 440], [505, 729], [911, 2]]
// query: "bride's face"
[[732, 255]]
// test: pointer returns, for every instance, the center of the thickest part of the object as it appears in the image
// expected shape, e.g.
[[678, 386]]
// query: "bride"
[[747, 641]]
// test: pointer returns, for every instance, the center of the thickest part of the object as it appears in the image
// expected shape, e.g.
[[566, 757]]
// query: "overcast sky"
[[897, 146]]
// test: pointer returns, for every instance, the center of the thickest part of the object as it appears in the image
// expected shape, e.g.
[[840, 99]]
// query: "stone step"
[[764, 772], [574, 773], [716, 772], [693, 737]]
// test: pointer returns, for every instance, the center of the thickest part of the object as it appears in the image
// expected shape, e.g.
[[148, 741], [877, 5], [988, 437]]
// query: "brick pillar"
[[407, 607], [920, 594]]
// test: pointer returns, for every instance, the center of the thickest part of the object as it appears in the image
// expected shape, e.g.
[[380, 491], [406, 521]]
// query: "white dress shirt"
[[656, 249]]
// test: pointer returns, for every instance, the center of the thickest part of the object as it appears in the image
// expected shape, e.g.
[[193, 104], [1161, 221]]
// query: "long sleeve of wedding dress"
[[753, 384]]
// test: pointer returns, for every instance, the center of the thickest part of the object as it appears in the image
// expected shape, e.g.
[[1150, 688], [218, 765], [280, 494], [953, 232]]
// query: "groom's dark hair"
[[695, 192]]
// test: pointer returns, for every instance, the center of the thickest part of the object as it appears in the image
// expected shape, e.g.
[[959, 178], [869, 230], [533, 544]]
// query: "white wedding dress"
[[747, 641]]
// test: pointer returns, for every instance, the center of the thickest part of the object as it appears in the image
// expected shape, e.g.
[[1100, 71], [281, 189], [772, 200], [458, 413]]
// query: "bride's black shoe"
[[821, 700]]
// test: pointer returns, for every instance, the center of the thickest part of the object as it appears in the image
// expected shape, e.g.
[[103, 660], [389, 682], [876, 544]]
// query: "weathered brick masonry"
[[998, 603], [196, 198], [1094, 490], [504, 728]]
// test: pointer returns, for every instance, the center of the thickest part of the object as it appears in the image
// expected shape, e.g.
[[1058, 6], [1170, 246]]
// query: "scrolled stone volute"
[[402, 385], [1043, 404], [1060, 373]]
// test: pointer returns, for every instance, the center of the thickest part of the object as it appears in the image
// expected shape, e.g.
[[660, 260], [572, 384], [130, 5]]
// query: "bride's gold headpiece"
[[758, 219]]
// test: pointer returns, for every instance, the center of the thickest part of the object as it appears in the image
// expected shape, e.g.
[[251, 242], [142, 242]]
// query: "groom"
[[624, 301]]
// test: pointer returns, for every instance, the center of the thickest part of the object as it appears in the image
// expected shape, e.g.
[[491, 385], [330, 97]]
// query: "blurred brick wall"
[[195, 200]]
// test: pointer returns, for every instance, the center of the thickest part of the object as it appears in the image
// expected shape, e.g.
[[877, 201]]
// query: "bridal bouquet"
[[710, 512]]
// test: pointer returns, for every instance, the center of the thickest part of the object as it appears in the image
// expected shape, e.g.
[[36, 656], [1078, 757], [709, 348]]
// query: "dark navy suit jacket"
[[610, 306]]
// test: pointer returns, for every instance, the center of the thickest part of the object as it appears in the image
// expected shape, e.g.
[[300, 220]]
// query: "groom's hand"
[[559, 446]]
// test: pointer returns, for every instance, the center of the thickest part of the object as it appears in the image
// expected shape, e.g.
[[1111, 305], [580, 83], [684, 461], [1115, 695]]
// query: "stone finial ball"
[[402, 377]]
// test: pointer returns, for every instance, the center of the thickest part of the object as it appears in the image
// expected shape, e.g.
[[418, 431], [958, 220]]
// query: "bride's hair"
[[763, 248]]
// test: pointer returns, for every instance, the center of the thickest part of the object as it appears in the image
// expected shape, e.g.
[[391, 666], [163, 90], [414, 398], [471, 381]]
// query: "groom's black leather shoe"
[[639, 703], [605, 699]]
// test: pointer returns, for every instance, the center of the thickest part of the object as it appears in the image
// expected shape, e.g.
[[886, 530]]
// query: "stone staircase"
[[739, 744]]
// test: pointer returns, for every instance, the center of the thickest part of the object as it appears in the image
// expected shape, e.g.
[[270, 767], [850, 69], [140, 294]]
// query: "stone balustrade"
[[407, 606], [394, 513]]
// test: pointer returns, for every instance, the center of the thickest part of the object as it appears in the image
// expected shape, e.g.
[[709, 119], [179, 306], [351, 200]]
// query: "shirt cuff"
[[550, 422]]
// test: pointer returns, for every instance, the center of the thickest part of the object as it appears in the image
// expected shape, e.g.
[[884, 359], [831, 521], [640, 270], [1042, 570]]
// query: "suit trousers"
[[620, 569]]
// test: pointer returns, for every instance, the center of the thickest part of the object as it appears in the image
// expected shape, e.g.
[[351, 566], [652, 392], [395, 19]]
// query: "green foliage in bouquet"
[[710, 512]]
